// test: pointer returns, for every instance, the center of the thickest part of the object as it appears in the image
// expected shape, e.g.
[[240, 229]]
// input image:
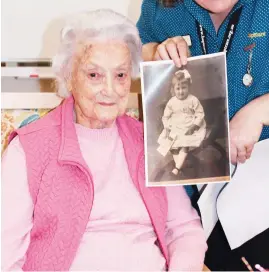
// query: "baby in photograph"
[[183, 121]]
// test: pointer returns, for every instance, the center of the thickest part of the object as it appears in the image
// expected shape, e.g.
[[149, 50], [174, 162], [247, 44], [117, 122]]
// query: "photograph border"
[[186, 181]]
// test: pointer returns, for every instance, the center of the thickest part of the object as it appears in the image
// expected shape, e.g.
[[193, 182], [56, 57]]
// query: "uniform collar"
[[245, 2]]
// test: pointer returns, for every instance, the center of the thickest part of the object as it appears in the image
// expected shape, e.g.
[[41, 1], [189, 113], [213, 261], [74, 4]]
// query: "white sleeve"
[[17, 208]]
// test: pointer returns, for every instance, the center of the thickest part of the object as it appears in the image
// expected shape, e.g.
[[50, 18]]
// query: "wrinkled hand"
[[174, 48], [191, 130], [245, 131]]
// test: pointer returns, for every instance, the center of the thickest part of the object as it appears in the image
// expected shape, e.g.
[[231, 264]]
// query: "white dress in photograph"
[[179, 116]]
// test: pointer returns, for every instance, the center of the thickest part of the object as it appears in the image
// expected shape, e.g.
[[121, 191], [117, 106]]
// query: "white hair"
[[102, 24]]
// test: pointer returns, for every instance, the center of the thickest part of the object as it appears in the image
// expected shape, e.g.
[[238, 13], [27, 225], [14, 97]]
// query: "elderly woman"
[[74, 194]]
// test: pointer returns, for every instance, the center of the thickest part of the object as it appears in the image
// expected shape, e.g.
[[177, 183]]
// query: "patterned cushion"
[[13, 119]]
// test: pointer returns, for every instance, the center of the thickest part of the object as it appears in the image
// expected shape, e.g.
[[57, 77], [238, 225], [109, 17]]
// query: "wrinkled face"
[[101, 80], [181, 89], [217, 6]]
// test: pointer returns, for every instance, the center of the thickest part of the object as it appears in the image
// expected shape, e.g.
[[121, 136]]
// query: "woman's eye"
[[94, 76], [121, 76]]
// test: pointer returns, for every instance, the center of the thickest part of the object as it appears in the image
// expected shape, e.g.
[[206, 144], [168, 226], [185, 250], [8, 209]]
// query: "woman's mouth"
[[106, 104]]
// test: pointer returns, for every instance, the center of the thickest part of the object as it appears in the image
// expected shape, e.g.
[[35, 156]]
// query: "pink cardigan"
[[58, 170]]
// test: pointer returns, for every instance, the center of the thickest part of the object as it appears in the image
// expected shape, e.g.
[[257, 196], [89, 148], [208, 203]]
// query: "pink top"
[[119, 235]]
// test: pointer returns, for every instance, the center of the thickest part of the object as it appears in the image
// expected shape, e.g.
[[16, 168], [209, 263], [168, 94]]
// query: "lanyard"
[[228, 36]]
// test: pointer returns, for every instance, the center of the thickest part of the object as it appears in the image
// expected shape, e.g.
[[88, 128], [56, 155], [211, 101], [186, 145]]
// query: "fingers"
[[161, 49], [233, 153], [249, 151], [241, 154], [174, 48], [157, 56], [183, 51], [244, 152], [171, 48]]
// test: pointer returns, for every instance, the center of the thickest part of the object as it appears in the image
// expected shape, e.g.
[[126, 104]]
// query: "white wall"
[[30, 28]]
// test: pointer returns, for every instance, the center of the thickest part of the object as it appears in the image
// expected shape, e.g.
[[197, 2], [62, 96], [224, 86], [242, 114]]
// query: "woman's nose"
[[109, 86]]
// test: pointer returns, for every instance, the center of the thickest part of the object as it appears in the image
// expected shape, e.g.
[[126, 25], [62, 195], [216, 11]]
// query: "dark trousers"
[[220, 257]]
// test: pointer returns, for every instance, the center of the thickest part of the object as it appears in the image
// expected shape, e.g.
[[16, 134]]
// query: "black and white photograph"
[[186, 121]]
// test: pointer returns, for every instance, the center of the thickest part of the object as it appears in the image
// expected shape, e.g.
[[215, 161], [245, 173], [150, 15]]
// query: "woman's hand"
[[174, 48], [245, 131]]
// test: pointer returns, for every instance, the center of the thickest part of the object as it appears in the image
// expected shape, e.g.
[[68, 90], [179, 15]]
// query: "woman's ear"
[[67, 34], [68, 77]]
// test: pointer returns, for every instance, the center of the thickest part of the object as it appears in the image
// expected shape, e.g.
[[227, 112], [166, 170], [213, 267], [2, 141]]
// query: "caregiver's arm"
[[184, 234], [17, 208], [263, 103], [246, 127], [174, 48], [148, 51], [260, 107]]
